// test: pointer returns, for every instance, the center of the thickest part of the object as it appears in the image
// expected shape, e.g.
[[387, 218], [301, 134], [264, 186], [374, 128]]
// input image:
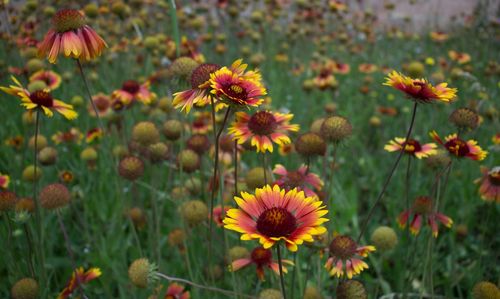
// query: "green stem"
[[175, 26], [280, 263]]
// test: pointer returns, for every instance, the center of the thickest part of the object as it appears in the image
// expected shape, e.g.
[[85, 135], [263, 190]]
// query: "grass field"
[[128, 195]]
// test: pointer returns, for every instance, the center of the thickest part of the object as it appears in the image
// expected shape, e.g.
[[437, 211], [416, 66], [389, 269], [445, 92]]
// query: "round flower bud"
[[158, 152], [88, 154], [172, 129], [36, 85], [54, 196], [29, 173], [77, 101], [193, 185], [49, 11], [34, 65], [351, 289], [165, 104], [188, 160], [176, 237], [120, 9], [198, 143], [310, 144], [151, 42], [183, 67], [120, 151], [312, 293], [47, 156], [194, 212], [91, 10], [131, 168], [336, 128], [137, 216], [415, 69], [375, 121], [485, 290], [145, 133], [7, 200], [256, 178], [316, 125], [25, 205], [330, 108], [464, 118], [384, 238], [41, 142], [438, 160], [179, 192], [270, 294], [26, 288], [141, 272], [238, 252]]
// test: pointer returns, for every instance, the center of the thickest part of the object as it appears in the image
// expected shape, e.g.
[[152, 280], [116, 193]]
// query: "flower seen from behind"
[[262, 258], [412, 147], [346, 257]]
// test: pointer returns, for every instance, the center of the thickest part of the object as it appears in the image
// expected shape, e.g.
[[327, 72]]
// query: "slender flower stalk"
[[280, 263], [89, 94], [391, 173]]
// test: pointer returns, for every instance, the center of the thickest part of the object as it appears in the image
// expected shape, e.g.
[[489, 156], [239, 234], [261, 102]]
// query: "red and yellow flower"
[[262, 258], [301, 179], [421, 90], [218, 215], [236, 86], [51, 79], [132, 91], [200, 88], [176, 291], [422, 210], [489, 188], [40, 99], [461, 58], [412, 147], [271, 215], [73, 135], [4, 181], [262, 129], [78, 278], [102, 103], [71, 37], [460, 148], [346, 257], [438, 36], [94, 135]]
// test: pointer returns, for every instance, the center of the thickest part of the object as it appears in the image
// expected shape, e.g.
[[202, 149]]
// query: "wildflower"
[[132, 91], [272, 214], [16, 142], [73, 135], [194, 212], [420, 90], [218, 215], [141, 272], [188, 160], [40, 99], [490, 184], [412, 147], [325, 80], [367, 68], [438, 36], [4, 181], [176, 291], [236, 86], [25, 288], [71, 37], [262, 128], [310, 144], [145, 133], [78, 278], [199, 92], [66, 176], [50, 78], [422, 209], [384, 238], [464, 118], [256, 177], [262, 258], [131, 168], [172, 129], [301, 179], [8, 200], [54, 196], [350, 289], [336, 128], [344, 250], [93, 135], [461, 58], [102, 104], [202, 122], [460, 148], [485, 290]]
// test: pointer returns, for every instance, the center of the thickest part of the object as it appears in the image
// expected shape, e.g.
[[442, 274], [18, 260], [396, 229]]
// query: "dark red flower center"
[[494, 176], [422, 205], [101, 103], [343, 247], [262, 123], [68, 19], [131, 86], [412, 146], [294, 179], [276, 222], [201, 74], [457, 147], [261, 256], [42, 98], [235, 92]]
